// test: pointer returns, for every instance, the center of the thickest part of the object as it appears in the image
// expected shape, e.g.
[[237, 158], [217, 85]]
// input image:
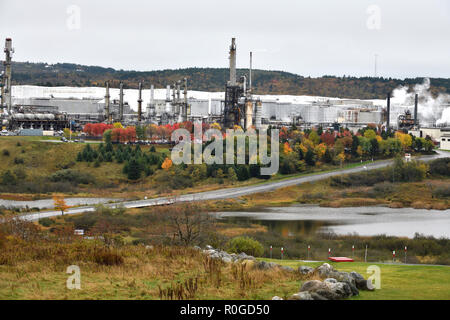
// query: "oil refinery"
[[55, 108]]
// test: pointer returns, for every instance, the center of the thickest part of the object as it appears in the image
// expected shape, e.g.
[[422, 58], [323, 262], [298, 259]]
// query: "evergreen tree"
[[134, 170]]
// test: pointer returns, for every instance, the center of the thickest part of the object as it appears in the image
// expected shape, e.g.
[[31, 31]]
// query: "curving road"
[[229, 192]]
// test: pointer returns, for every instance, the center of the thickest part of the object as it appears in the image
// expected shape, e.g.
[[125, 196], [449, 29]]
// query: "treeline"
[[214, 79]]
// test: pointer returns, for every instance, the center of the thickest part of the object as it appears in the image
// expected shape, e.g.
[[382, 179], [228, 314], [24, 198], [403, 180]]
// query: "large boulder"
[[277, 298], [364, 285], [329, 289], [324, 270], [305, 270], [263, 265], [356, 275], [301, 296], [287, 269], [313, 285]]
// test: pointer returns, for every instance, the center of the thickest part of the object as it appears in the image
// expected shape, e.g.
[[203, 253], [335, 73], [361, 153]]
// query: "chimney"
[[233, 62], [250, 73], [388, 111], [107, 96], [140, 103], [121, 102], [416, 107]]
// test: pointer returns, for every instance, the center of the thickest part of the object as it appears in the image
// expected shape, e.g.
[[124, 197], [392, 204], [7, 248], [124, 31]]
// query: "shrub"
[[440, 167], [72, 176], [246, 245], [108, 258], [5, 152], [442, 192], [46, 222], [19, 160]]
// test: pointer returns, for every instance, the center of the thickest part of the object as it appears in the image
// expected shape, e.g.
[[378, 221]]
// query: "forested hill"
[[214, 79]]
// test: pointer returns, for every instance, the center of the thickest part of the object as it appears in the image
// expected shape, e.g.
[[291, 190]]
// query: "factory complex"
[[47, 109]]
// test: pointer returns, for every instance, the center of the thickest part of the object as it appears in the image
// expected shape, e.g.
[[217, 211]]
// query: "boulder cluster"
[[336, 285], [241, 257]]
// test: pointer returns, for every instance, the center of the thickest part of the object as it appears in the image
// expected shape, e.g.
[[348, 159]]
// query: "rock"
[[301, 296], [331, 289], [226, 259], [277, 298], [364, 285], [330, 280], [324, 270], [197, 248], [340, 289], [313, 285], [263, 265], [305, 270], [356, 275], [317, 296], [287, 269], [355, 291], [341, 277], [149, 247], [208, 247]]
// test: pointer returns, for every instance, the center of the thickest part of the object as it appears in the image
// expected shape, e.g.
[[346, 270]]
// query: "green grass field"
[[398, 282]]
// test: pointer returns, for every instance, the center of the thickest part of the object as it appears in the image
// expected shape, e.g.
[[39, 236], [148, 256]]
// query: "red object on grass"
[[340, 259]]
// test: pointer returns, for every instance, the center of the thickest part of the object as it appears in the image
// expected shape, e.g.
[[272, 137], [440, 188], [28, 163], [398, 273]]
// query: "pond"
[[365, 221]]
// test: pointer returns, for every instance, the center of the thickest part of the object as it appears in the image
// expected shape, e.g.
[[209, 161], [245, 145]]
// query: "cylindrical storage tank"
[[19, 116], [29, 116], [50, 116]]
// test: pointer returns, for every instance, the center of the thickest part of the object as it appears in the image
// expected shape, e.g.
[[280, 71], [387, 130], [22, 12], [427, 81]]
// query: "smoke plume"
[[432, 111]]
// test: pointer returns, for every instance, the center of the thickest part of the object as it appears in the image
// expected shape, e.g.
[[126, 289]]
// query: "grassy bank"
[[38, 271]]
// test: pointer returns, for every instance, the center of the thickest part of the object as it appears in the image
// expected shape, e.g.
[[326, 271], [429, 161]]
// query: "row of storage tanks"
[[286, 111]]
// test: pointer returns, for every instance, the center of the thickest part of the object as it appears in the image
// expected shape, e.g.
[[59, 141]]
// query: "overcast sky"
[[310, 38]]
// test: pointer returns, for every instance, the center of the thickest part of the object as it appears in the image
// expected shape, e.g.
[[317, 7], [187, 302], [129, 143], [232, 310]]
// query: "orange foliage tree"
[[60, 203]]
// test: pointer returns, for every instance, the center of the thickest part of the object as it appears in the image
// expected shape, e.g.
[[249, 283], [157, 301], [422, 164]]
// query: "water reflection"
[[367, 221]]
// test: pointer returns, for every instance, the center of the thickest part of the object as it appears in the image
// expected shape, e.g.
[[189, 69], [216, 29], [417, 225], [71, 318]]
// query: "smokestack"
[[250, 73], [140, 103], [416, 107], [7, 76], [185, 100], [107, 96], [233, 62], [121, 102], [388, 120]]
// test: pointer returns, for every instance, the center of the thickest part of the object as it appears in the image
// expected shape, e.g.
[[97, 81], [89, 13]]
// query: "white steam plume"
[[432, 111]]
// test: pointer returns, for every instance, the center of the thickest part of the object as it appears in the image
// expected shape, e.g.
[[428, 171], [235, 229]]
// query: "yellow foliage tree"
[[320, 150], [167, 164], [405, 139], [59, 203]]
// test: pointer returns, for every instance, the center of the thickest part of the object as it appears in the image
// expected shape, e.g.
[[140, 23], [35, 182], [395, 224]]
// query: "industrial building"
[[55, 108]]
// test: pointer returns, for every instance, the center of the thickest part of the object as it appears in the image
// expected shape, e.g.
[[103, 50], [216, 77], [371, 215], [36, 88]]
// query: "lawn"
[[398, 282]]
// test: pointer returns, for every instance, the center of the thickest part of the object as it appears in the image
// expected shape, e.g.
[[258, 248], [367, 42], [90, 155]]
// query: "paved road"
[[228, 193]]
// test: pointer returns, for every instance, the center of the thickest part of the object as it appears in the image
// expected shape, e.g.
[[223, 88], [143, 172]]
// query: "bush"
[[246, 245], [72, 176], [108, 258], [441, 192], [19, 161], [5, 152], [440, 167], [46, 222]]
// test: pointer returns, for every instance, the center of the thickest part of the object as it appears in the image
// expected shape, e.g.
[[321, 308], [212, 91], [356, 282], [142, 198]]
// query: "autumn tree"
[[59, 203]]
